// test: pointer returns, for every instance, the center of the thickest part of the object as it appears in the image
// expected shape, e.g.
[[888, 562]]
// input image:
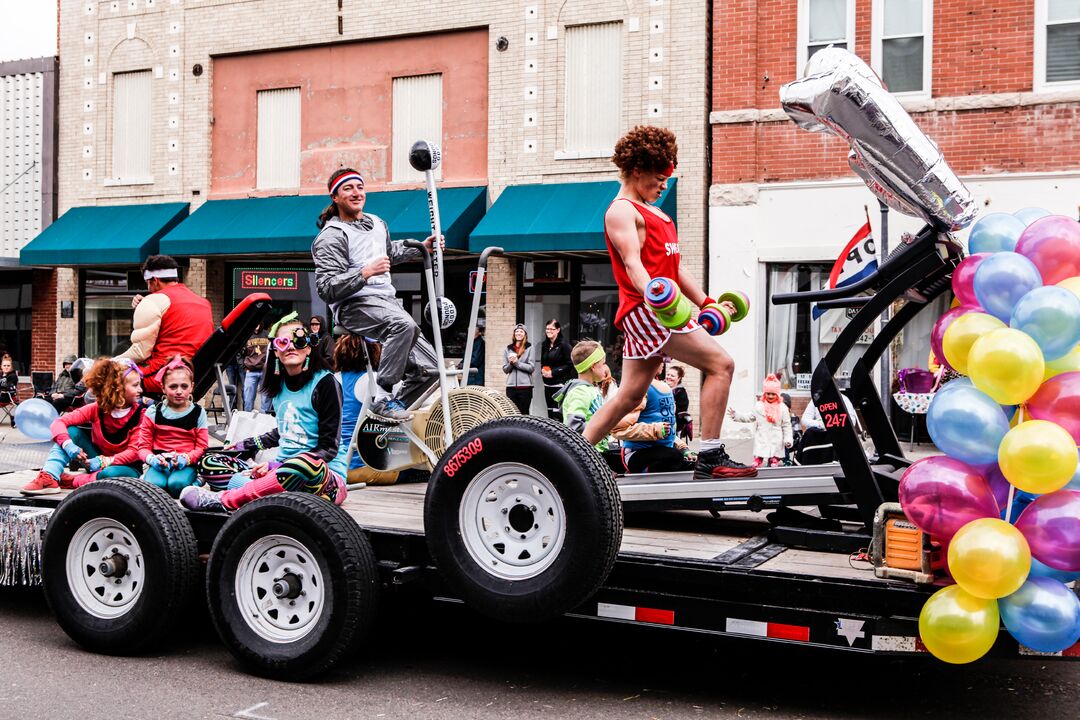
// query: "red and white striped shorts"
[[645, 336]]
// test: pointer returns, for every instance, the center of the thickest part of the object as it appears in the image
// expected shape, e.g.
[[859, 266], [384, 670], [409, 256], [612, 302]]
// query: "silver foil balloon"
[[899, 164]]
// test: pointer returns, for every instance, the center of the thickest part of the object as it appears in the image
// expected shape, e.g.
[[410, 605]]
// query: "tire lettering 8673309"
[[462, 456]]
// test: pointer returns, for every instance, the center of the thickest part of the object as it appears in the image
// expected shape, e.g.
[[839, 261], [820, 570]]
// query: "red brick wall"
[[43, 353], [979, 47]]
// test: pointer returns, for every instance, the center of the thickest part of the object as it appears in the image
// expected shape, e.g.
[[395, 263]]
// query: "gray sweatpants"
[[406, 354]]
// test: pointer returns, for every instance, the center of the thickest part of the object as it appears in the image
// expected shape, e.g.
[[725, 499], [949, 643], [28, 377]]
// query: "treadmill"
[[851, 489]]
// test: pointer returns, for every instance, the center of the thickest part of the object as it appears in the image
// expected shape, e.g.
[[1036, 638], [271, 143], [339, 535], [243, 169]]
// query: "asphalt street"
[[441, 661]]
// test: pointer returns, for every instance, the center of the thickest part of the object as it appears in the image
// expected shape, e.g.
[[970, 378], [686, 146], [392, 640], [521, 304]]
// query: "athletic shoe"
[[67, 479], [43, 484], [391, 410], [201, 498], [716, 464]]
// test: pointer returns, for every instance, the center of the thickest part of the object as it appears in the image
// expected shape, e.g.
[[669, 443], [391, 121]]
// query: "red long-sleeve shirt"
[[112, 436], [188, 434]]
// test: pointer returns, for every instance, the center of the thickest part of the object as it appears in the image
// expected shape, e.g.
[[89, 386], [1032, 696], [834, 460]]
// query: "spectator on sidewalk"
[[63, 391]]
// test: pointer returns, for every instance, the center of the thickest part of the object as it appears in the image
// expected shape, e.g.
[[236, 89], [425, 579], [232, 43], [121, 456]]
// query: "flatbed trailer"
[[680, 570]]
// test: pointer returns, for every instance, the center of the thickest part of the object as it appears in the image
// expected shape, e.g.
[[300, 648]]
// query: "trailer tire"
[[523, 519], [119, 565], [311, 558]]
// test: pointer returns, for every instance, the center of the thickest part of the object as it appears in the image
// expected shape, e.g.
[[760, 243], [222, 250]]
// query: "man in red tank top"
[[643, 245], [170, 321]]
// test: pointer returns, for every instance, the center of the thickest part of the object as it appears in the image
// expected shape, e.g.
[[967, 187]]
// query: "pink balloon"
[[1053, 244], [937, 335], [1058, 400], [941, 495], [998, 484], [1051, 525], [963, 279]]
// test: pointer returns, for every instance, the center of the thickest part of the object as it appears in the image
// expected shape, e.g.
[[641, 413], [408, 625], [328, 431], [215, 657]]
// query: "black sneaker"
[[391, 410], [716, 464]]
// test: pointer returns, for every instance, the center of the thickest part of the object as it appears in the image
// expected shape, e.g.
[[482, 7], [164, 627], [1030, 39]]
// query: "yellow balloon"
[[1067, 363], [1038, 456], [957, 627], [989, 558], [962, 334], [1006, 364], [1071, 284]]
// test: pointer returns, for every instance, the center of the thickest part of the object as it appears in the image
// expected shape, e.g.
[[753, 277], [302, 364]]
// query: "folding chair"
[[9, 400]]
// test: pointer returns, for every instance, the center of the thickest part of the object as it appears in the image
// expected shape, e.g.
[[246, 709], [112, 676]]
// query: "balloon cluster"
[[1004, 500]]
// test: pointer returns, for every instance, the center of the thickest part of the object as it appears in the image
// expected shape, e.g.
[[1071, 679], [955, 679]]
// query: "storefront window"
[[15, 314], [291, 289], [106, 311]]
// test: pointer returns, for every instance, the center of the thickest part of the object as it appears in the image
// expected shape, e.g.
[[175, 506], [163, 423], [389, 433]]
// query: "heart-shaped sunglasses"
[[300, 340]]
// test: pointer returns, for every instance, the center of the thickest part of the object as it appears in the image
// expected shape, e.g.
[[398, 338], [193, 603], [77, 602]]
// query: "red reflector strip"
[[652, 615], [789, 632], [637, 614]]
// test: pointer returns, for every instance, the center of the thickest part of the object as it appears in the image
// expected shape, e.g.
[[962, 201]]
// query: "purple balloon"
[[1058, 400], [963, 279], [937, 335], [1051, 525], [1053, 244], [941, 495], [998, 484], [1002, 279]]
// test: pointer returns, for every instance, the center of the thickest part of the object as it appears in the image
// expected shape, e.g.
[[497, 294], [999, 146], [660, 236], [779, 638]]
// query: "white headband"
[[160, 274]]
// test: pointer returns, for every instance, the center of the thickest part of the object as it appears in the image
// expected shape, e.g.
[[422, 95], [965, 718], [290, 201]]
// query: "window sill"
[[1065, 86], [582, 154], [119, 182]]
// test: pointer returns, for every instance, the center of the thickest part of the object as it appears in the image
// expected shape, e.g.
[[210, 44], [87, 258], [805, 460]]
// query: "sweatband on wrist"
[[595, 356], [708, 301]]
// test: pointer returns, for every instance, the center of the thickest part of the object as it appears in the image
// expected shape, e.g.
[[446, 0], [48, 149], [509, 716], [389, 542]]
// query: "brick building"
[[995, 84], [219, 122], [27, 205]]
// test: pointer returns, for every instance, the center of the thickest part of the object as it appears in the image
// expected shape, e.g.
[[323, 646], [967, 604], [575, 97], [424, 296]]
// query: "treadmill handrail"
[[927, 234]]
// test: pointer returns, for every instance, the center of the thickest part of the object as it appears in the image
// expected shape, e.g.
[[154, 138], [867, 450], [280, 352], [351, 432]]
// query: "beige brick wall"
[[665, 39]]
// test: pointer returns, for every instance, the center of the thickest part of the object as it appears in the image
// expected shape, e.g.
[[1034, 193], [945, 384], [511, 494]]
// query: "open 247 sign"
[[472, 282]]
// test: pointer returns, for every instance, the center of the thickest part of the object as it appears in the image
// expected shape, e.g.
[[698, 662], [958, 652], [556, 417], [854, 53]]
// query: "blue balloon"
[[1043, 615], [1030, 214], [966, 424], [1051, 316], [34, 416], [995, 232], [1001, 280], [1038, 569]]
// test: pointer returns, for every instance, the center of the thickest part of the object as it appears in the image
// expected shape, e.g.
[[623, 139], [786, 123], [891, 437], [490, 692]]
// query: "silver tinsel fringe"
[[21, 531]]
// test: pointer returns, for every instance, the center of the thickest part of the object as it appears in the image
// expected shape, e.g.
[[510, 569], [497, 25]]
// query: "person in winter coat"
[[772, 424], [518, 365], [555, 366], [325, 345]]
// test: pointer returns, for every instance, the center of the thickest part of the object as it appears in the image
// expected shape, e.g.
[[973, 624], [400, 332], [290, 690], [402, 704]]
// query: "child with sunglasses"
[[174, 433], [307, 400], [108, 447]]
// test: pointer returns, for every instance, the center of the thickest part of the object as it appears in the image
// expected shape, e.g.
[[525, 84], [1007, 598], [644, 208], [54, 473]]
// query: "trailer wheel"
[[523, 519], [119, 565], [291, 585]]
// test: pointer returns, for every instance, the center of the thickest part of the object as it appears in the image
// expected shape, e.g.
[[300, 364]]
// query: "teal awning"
[[567, 217], [104, 235], [286, 225]]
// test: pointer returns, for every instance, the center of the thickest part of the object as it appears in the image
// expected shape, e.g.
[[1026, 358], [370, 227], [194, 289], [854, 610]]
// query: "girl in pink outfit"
[[772, 424], [108, 448], [174, 433]]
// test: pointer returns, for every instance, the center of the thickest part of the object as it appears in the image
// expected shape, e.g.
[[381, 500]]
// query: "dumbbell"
[[715, 319], [666, 300]]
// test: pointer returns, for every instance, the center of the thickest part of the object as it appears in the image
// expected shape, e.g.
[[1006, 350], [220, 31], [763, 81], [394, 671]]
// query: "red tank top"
[[659, 257]]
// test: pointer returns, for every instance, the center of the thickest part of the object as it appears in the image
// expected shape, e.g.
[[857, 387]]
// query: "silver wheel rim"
[[105, 570], [279, 589], [512, 520]]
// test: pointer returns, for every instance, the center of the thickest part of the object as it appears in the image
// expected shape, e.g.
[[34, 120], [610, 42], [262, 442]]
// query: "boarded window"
[[593, 87], [131, 151], [279, 139], [417, 116]]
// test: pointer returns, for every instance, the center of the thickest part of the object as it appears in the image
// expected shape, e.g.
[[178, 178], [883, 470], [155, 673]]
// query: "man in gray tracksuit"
[[353, 254]]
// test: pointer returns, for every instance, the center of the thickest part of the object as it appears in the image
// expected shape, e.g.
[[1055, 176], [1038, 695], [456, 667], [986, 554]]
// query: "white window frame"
[[115, 179], [263, 183], [1039, 82], [877, 55], [803, 25], [401, 172], [571, 153]]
